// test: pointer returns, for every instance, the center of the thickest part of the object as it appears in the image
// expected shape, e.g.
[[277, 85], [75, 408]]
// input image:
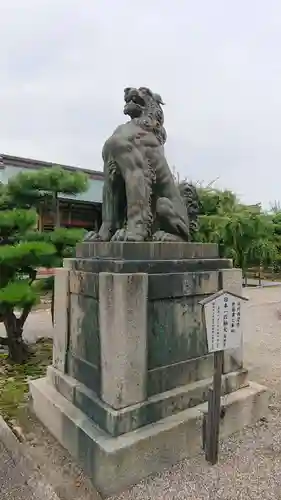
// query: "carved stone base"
[[131, 368]]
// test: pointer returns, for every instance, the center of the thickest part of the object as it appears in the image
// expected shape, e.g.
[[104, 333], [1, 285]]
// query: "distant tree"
[[216, 202], [243, 233], [276, 220], [275, 207], [249, 239]]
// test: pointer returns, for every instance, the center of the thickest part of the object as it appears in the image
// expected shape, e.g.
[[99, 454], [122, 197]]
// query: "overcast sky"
[[216, 64]]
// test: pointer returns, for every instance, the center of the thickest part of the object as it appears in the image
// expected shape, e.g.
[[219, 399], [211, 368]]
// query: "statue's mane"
[[190, 197], [153, 115]]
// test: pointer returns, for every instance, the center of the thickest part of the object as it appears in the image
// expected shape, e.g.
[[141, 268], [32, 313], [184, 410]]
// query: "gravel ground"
[[54, 462], [19, 482], [250, 461], [13, 480]]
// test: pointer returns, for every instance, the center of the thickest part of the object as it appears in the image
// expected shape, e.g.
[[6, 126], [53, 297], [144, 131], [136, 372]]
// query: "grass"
[[14, 379]]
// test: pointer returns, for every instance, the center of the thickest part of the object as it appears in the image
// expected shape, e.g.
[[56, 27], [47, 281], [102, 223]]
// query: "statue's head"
[[140, 101], [145, 106]]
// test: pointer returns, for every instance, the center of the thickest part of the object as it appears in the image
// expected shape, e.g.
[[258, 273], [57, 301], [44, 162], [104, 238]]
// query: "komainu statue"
[[141, 201]]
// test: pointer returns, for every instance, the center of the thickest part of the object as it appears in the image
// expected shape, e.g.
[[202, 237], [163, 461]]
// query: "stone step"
[[147, 250], [164, 404], [96, 265]]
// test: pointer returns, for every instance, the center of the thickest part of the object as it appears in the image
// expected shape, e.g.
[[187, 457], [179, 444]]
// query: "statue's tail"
[[191, 200]]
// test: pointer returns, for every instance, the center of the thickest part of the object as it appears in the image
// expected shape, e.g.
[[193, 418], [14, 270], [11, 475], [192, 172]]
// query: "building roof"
[[17, 161], [12, 165]]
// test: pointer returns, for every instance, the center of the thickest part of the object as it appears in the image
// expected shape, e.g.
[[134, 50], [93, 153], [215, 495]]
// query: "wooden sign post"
[[222, 320]]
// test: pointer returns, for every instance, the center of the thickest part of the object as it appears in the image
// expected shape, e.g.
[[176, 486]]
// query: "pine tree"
[[23, 249], [19, 260], [43, 188]]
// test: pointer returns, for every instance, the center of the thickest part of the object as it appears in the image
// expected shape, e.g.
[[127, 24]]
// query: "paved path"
[[263, 283]]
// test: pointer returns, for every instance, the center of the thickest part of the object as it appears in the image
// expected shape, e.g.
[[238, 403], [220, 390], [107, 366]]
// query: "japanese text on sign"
[[222, 316]]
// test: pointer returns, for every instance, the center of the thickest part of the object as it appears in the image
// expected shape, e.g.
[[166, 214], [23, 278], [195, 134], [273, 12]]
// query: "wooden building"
[[81, 211]]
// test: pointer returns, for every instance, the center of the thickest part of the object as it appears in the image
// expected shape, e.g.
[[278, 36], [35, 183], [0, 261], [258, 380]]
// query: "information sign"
[[222, 316]]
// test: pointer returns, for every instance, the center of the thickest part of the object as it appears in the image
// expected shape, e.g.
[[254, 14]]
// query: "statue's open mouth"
[[134, 103], [134, 96]]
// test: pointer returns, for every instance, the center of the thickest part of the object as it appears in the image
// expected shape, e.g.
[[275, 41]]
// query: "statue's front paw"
[[163, 236], [92, 236], [103, 234], [125, 235]]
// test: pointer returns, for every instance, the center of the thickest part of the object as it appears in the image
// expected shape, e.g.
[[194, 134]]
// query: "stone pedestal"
[[128, 386]]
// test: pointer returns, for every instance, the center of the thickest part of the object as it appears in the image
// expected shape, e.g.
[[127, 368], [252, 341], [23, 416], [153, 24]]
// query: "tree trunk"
[[260, 272], [18, 351]]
